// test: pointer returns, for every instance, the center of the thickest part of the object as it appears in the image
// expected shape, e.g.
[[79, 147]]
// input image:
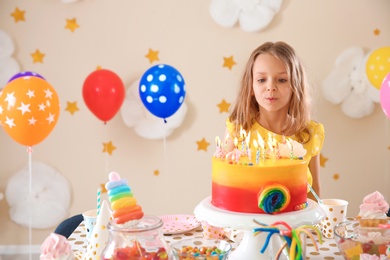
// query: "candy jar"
[[140, 240]]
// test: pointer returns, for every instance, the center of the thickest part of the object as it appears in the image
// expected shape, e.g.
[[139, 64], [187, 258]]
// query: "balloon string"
[[106, 154], [387, 165], [165, 146], [29, 151]]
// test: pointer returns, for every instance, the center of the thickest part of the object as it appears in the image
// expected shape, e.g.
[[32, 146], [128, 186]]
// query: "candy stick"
[[298, 254], [282, 223], [309, 235], [292, 249], [280, 250]]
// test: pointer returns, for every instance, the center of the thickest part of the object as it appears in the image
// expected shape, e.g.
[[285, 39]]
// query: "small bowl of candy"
[[356, 242], [201, 249]]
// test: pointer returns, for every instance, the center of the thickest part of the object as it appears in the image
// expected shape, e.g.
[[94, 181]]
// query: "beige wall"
[[117, 35]]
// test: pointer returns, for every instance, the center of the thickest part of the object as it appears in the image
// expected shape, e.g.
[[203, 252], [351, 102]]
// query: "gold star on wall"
[[377, 32], [37, 56], [223, 106], [18, 15], [71, 107], [152, 55], [156, 172], [103, 188], [323, 160], [71, 24], [336, 176], [228, 62], [202, 144], [108, 148]]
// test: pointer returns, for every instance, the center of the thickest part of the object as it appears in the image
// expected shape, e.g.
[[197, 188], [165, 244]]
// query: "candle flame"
[[248, 138], [255, 143], [218, 141], [260, 140]]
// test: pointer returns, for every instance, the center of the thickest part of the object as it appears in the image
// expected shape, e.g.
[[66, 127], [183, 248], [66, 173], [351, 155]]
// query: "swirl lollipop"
[[274, 198]]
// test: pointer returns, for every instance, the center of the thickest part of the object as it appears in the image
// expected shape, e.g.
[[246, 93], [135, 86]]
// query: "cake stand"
[[250, 246]]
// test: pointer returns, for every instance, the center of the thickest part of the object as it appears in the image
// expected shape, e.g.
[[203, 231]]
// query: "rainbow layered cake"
[[250, 182]]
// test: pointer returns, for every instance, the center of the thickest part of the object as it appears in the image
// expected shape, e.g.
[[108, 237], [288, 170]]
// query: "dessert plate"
[[176, 224]]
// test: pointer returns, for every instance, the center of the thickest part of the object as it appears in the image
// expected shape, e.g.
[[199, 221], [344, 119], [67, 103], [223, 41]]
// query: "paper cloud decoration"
[[252, 15], [347, 84], [8, 65], [145, 124], [49, 198]]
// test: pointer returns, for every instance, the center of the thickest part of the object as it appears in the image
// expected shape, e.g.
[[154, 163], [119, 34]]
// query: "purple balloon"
[[25, 74]]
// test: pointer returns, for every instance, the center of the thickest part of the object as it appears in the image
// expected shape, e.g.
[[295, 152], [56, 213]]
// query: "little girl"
[[273, 100]]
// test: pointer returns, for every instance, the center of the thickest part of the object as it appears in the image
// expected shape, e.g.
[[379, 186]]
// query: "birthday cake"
[[260, 181]]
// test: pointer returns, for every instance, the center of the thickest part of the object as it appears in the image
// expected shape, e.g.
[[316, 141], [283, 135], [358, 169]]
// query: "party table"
[[327, 250]]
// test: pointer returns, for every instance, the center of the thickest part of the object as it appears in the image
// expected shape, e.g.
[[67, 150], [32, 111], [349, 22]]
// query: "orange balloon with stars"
[[29, 110]]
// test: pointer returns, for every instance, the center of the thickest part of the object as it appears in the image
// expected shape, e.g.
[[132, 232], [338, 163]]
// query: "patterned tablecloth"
[[328, 250]]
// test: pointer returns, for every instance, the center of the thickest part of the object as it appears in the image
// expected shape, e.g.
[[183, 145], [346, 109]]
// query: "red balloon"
[[103, 93]]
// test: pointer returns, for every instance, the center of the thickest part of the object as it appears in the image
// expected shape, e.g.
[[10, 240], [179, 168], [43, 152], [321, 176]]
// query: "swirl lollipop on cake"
[[274, 198], [123, 203]]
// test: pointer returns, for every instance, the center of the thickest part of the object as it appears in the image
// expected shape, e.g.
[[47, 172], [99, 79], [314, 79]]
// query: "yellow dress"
[[313, 147]]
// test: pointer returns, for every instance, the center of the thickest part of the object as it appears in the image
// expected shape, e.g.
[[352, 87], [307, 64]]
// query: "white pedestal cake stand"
[[250, 246]]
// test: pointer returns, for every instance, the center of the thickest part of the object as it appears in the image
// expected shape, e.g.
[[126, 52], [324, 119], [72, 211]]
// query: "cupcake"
[[56, 247], [373, 210]]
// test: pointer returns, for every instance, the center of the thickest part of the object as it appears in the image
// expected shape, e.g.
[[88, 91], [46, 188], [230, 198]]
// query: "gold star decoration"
[[108, 148], [203, 144], [152, 55], [71, 24], [377, 32], [37, 56], [18, 15], [156, 172], [98, 67], [103, 188], [223, 106], [71, 107], [323, 160], [336, 176], [228, 62]]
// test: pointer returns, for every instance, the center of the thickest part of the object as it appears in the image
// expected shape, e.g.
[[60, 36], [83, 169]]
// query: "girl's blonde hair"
[[246, 109]]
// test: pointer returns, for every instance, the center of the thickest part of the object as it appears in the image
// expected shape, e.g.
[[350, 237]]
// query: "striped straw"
[[99, 192], [314, 193]]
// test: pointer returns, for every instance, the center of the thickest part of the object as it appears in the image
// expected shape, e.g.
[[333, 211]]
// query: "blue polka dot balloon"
[[162, 90]]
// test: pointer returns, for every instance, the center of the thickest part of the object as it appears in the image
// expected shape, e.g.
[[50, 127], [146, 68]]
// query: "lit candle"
[[248, 150], [257, 151], [225, 142], [237, 152], [261, 143], [290, 145], [243, 137], [218, 150]]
